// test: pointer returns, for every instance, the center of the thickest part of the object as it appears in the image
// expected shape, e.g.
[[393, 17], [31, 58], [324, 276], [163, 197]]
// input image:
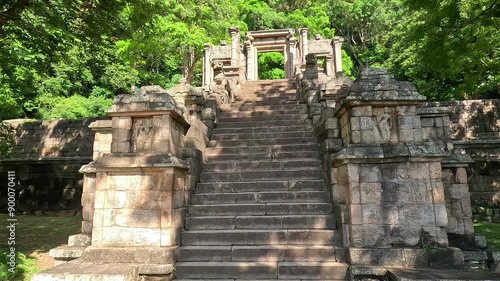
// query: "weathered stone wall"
[[475, 129], [46, 158]]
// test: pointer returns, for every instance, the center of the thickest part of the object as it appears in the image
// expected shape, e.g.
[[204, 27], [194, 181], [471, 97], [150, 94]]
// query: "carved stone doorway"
[[281, 40]]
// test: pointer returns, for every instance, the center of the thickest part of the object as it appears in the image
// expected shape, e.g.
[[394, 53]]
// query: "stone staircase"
[[262, 209]]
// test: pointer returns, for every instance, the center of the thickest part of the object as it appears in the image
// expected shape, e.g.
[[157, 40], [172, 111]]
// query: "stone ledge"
[[136, 255], [130, 160], [78, 270], [387, 257], [430, 274], [46, 160], [388, 152], [66, 252]]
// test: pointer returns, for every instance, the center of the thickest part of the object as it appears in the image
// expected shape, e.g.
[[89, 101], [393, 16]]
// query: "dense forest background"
[[68, 58]]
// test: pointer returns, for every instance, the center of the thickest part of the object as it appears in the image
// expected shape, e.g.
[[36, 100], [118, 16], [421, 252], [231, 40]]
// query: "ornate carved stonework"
[[382, 128], [143, 131]]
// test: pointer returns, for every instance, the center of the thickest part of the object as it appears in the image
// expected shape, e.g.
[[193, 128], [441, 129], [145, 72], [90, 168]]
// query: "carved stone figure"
[[220, 89], [382, 129]]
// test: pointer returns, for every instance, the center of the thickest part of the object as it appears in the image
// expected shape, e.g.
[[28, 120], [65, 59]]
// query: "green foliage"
[[347, 65], [74, 52], [6, 139], [25, 268], [449, 48], [491, 231], [73, 107], [271, 65]]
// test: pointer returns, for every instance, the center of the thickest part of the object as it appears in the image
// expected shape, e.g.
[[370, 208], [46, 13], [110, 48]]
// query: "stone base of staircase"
[[78, 271]]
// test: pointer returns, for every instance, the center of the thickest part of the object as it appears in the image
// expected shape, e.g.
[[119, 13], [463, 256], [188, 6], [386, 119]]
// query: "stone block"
[[353, 173], [416, 258], [406, 135], [441, 215], [356, 214], [405, 235], [405, 122], [356, 137], [446, 257], [148, 255], [333, 175], [356, 235], [370, 173], [367, 136], [419, 171], [435, 170], [312, 270], [422, 193], [361, 111], [452, 226], [468, 226], [371, 192], [461, 175], [397, 192], [438, 193], [418, 135], [375, 236], [417, 215], [355, 123], [79, 240], [376, 257], [372, 214]]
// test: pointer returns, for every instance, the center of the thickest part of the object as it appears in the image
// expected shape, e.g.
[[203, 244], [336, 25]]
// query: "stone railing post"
[[386, 180], [140, 193]]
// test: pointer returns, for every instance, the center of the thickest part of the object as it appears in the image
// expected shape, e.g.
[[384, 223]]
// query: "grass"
[[35, 236], [491, 231]]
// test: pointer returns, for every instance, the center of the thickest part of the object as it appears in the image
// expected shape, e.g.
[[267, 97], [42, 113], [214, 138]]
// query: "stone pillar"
[[207, 68], [102, 145], [329, 66], [250, 58], [304, 41], [291, 57], [140, 194], [337, 53], [387, 185], [235, 44]]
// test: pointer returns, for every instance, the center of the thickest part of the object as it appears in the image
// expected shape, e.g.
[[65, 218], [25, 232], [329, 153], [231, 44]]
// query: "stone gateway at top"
[[239, 60]]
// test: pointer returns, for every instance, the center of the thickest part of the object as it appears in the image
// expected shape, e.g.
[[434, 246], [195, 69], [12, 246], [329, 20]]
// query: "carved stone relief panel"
[[143, 134]]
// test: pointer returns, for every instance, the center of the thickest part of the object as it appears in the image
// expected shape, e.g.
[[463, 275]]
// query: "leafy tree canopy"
[[68, 58]]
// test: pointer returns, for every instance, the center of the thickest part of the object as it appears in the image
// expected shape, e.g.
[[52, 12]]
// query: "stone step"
[[229, 270], [77, 271], [260, 175], [261, 209], [262, 270], [300, 107], [264, 102], [260, 253], [261, 222], [259, 197], [262, 149], [313, 270], [275, 156], [247, 237], [264, 118], [252, 186], [278, 165], [263, 97], [226, 114], [263, 129], [261, 142], [261, 136], [263, 124]]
